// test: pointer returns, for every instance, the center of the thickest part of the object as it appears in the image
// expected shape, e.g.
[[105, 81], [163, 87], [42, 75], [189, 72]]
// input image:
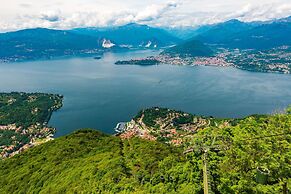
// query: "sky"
[[67, 14]]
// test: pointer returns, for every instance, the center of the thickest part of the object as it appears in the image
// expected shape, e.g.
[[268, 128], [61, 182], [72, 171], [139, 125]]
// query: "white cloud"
[[17, 14], [154, 11], [51, 16], [58, 19], [261, 12]]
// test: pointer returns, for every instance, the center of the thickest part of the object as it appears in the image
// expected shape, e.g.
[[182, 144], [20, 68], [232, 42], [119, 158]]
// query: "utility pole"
[[285, 188], [205, 148]]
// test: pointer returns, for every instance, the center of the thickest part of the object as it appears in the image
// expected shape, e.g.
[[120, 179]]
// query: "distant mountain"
[[191, 48], [253, 35], [230, 26], [287, 19], [220, 33], [132, 35], [46, 43], [183, 33], [40, 42], [265, 36]]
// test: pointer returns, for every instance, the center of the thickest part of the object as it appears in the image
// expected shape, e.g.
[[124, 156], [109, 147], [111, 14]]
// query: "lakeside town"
[[166, 125], [20, 139], [178, 60], [24, 120], [276, 60]]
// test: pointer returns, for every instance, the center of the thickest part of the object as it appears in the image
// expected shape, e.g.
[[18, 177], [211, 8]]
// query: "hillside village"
[[168, 126], [23, 120]]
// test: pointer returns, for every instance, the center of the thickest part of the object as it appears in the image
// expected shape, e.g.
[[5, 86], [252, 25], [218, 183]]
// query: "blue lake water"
[[98, 94]]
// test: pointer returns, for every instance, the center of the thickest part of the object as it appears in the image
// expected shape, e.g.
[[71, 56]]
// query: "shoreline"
[[28, 132]]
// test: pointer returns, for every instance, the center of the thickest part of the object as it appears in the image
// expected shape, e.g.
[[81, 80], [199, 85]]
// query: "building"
[[120, 127]]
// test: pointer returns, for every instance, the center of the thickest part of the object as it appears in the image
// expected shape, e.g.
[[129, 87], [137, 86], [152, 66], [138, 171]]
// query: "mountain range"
[[46, 43], [132, 35], [233, 34], [40, 42], [242, 35]]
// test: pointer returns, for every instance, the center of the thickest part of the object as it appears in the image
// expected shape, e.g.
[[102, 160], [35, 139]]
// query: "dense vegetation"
[[237, 152], [8, 137], [192, 48], [237, 149], [142, 62], [24, 109], [88, 161], [152, 114], [183, 119]]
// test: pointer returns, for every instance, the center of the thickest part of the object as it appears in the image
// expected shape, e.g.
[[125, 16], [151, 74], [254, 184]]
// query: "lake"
[[99, 94]]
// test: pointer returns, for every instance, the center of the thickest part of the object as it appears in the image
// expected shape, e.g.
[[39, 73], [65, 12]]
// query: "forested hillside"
[[90, 162], [250, 155], [191, 48]]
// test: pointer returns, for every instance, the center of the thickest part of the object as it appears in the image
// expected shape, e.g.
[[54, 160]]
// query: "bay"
[[98, 94]]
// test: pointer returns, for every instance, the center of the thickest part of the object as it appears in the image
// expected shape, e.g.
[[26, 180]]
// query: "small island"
[[97, 57], [143, 62], [24, 120]]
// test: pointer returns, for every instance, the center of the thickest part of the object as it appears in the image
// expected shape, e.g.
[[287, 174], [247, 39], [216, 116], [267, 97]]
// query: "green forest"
[[26, 109], [251, 156]]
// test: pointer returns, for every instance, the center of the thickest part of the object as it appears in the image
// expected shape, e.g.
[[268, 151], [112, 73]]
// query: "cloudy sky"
[[64, 14]]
